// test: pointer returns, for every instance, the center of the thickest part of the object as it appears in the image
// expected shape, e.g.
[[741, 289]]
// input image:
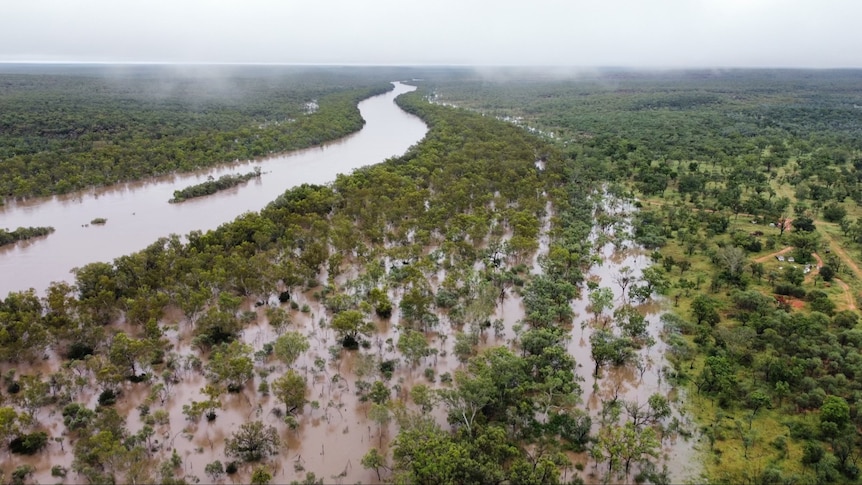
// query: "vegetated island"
[[213, 185], [22, 234], [99, 221]]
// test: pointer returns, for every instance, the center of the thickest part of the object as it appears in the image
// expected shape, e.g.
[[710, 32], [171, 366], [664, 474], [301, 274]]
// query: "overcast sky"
[[635, 33]]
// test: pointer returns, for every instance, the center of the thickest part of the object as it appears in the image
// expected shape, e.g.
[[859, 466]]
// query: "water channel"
[[138, 213]]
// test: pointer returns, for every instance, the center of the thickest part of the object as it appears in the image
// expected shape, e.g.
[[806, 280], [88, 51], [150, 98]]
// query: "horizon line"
[[412, 65]]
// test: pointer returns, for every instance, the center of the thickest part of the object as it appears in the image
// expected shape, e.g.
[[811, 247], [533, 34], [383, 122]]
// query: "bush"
[[445, 298], [823, 305], [383, 309], [214, 470], [77, 416], [252, 442], [350, 343], [108, 397], [21, 473], [834, 212], [827, 272], [387, 367], [29, 444], [790, 290], [78, 351]]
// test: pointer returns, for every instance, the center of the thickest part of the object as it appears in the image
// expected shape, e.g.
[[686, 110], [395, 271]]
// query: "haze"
[[631, 33]]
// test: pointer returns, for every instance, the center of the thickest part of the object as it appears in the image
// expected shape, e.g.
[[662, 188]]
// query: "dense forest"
[[427, 312], [749, 187], [66, 130]]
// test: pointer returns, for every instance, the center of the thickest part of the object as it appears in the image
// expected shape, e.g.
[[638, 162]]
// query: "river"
[[138, 213]]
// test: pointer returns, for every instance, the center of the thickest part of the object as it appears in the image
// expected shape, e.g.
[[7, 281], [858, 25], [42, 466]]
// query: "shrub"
[[29, 444], [790, 290], [108, 397]]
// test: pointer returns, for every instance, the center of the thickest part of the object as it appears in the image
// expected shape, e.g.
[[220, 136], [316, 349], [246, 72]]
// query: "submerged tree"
[[252, 442]]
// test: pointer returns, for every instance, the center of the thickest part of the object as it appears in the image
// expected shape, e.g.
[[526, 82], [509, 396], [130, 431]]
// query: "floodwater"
[[634, 382], [138, 213], [334, 429]]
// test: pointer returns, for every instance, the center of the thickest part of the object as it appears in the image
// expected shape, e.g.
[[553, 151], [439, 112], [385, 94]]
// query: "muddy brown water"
[[334, 434], [139, 213]]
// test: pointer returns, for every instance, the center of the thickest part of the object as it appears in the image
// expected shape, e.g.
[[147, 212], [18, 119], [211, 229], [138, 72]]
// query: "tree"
[[278, 318], [423, 396], [415, 303], [624, 278], [350, 324], [10, 424], [622, 445], [231, 365], [425, 454], [129, 353], [214, 470], [757, 400], [379, 413], [413, 345], [379, 393], [718, 375], [607, 348], [632, 323], [75, 416], [834, 212], [289, 346], [731, 263], [208, 407], [216, 327], [601, 299], [290, 389], [705, 310], [465, 345], [547, 301], [835, 410], [826, 272], [374, 460], [638, 445], [261, 476], [656, 280], [380, 300], [659, 407], [470, 395], [794, 275], [804, 223], [804, 244], [252, 442]]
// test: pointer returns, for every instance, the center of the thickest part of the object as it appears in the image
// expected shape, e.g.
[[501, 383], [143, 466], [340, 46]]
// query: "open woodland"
[[570, 279]]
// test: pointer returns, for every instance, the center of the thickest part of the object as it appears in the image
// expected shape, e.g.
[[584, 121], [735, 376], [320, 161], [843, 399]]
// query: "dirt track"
[[766, 258]]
